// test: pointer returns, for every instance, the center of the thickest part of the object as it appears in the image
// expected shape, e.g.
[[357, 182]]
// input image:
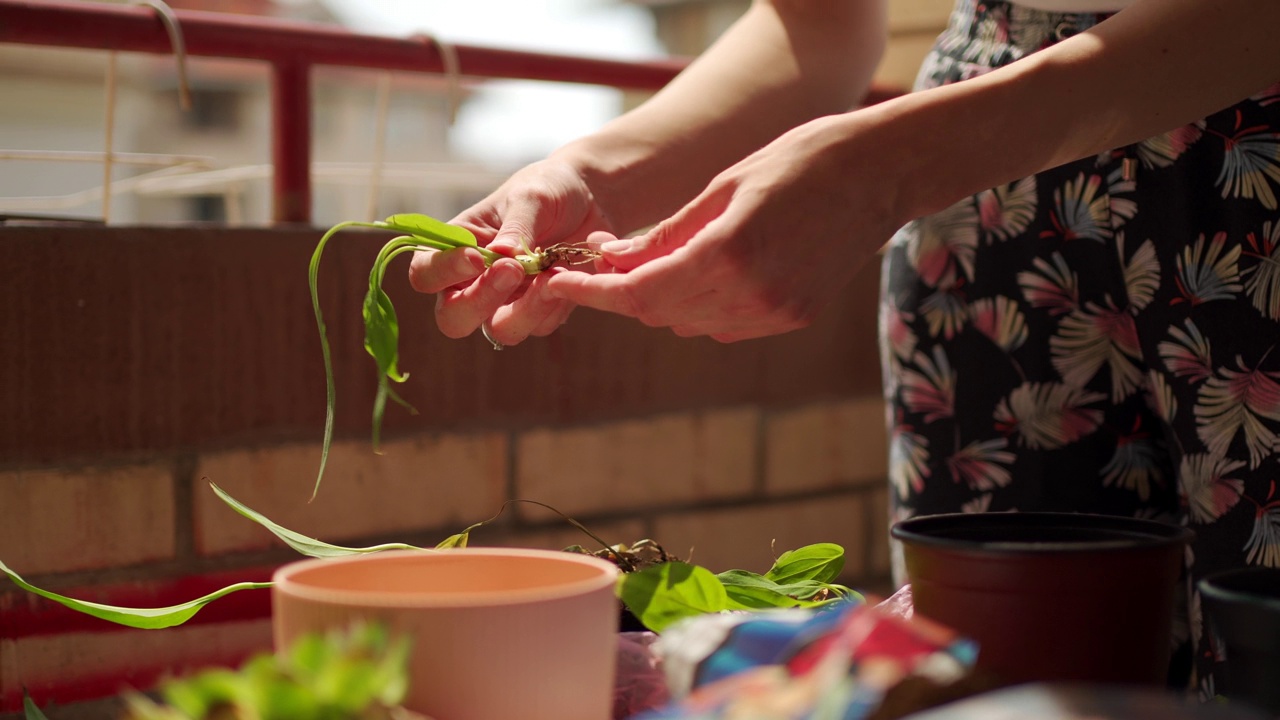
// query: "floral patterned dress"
[[1101, 337]]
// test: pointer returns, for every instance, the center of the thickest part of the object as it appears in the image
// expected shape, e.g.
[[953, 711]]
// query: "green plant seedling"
[[382, 329]]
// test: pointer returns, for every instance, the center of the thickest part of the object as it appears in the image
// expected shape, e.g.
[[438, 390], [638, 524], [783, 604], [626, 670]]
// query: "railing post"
[[291, 142]]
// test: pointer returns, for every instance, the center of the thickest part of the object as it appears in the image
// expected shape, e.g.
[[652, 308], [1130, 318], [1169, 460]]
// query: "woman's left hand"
[[761, 250]]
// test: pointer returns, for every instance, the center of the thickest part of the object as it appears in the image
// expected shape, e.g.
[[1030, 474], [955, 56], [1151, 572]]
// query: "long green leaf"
[[30, 710], [821, 562], [313, 276], [431, 228], [663, 594], [303, 544], [143, 618]]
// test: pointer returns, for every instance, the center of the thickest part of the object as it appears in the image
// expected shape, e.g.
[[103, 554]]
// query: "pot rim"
[[1129, 533], [285, 583], [1212, 587]]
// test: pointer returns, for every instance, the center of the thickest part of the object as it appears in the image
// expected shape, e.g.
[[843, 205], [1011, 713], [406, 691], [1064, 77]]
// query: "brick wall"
[[141, 364]]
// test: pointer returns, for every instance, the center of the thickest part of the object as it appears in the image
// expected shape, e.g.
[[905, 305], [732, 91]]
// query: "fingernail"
[[506, 281], [616, 247]]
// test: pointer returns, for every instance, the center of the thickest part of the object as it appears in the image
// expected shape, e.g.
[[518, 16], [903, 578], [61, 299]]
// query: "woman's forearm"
[[1155, 66], [773, 69]]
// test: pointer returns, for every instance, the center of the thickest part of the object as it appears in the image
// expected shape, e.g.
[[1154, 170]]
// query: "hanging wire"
[[171, 26], [452, 71]]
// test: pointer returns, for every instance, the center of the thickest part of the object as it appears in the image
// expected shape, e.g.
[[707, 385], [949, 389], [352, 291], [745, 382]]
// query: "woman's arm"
[[784, 62], [773, 238], [1155, 66]]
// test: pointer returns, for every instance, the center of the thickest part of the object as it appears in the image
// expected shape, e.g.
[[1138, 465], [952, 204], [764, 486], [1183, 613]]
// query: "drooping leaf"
[[303, 544], [430, 228], [142, 618], [382, 333], [663, 594], [30, 709], [821, 562]]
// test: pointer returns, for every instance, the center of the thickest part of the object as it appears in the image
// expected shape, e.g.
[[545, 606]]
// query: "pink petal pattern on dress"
[[1187, 354], [982, 465], [1134, 465], [908, 461], [1164, 150], [1081, 212], [1263, 547], [1262, 281], [1052, 285], [1206, 488], [1007, 210], [1048, 415], [1095, 336], [946, 312], [1206, 273], [1000, 320], [943, 248], [1238, 401], [932, 389], [1250, 163], [1141, 273], [897, 332]]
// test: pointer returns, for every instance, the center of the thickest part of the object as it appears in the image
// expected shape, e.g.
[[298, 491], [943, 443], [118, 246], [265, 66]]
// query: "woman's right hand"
[[545, 203]]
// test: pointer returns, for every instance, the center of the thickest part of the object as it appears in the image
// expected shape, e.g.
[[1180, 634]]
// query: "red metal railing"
[[292, 49]]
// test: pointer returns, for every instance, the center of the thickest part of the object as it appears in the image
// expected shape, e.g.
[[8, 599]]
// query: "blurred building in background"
[[210, 163]]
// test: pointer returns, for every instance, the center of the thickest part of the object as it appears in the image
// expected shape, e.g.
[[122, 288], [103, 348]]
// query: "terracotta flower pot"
[[1050, 596], [1243, 607], [497, 632]]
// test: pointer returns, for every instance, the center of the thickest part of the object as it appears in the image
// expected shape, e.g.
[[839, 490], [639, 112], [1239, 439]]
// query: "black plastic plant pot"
[[1243, 608], [1050, 596]]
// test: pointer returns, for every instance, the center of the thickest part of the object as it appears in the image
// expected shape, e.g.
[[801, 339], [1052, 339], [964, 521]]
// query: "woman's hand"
[[545, 203], [769, 242]]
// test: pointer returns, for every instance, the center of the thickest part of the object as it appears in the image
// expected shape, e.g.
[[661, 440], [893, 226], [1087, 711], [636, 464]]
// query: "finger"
[[431, 271], [670, 290], [559, 314], [513, 322], [667, 236], [553, 321], [520, 225], [460, 312]]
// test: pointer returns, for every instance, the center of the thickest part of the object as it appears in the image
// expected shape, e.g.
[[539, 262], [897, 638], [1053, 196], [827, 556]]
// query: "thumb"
[[666, 237], [518, 227]]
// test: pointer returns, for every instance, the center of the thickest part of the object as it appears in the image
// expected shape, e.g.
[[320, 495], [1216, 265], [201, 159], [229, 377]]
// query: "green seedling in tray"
[[382, 330]]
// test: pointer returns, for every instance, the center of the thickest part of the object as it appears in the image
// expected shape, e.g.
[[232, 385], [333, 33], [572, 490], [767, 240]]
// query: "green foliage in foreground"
[[361, 673]]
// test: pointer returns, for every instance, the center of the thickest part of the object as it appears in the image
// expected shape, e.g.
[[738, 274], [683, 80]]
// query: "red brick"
[[416, 484], [826, 445], [750, 538], [64, 520], [639, 463]]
